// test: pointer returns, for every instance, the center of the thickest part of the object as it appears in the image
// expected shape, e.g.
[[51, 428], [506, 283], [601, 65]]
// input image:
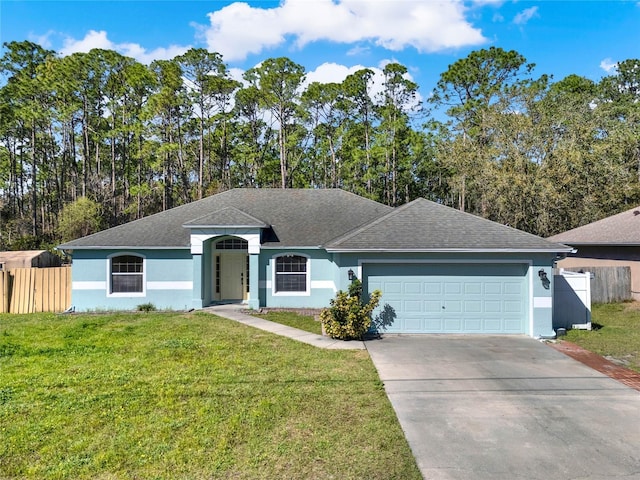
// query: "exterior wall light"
[[544, 279], [351, 274]]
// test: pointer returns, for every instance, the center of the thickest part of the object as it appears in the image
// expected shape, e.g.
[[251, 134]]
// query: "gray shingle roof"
[[297, 217], [330, 218], [226, 217], [427, 226], [620, 229]]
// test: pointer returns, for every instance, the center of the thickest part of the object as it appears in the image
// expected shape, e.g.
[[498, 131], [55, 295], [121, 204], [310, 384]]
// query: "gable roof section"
[[226, 217], [620, 229], [423, 225], [297, 217]]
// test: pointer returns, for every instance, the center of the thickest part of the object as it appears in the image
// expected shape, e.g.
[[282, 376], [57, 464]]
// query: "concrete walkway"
[[234, 311]]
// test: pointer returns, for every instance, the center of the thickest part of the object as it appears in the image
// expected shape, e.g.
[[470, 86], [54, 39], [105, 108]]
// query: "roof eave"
[[192, 226], [121, 247], [449, 250], [604, 244]]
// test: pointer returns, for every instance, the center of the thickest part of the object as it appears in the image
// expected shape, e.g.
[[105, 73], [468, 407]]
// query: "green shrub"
[[147, 307], [348, 318]]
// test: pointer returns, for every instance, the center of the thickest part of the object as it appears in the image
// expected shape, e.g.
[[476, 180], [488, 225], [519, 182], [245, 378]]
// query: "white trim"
[[201, 235], [169, 285], [530, 274], [143, 293], [326, 284], [307, 291], [88, 285], [542, 302], [118, 247], [446, 250], [443, 260]]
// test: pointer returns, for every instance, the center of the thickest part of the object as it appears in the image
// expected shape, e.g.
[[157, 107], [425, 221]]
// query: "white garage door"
[[450, 298]]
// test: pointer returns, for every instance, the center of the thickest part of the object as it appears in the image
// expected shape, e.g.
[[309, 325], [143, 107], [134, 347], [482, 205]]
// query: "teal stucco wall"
[[168, 280]]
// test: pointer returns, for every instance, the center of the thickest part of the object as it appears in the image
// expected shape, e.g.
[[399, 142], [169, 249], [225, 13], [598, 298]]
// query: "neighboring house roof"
[[328, 218], [427, 226], [28, 258], [621, 229]]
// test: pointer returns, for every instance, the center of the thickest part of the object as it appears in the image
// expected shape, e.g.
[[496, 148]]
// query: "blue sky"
[[332, 38]]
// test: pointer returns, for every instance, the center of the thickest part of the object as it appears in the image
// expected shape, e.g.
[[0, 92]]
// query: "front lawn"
[[616, 333], [293, 319], [191, 396]]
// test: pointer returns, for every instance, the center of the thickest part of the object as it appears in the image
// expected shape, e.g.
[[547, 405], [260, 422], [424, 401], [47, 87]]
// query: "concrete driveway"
[[507, 407]]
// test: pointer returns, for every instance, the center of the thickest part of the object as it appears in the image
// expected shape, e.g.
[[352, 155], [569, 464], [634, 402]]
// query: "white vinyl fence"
[[572, 300]]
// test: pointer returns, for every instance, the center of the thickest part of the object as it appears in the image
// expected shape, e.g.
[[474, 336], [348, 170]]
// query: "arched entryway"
[[230, 269]]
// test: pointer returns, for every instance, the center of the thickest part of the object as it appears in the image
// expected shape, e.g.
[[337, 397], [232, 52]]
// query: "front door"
[[233, 276]]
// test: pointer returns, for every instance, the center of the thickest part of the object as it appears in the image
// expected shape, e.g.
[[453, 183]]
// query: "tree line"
[[92, 140]]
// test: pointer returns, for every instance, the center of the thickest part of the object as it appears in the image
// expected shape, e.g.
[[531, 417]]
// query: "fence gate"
[[572, 300]]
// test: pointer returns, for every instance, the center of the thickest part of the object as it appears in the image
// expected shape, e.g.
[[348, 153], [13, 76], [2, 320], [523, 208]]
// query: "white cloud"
[[98, 39], [358, 50], [524, 16], [608, 65], [335, 73], [238, 30], [90, 41]]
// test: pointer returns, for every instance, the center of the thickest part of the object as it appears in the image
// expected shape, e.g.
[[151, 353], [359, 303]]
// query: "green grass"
[[293, 319], [616, 333], [187, 396]]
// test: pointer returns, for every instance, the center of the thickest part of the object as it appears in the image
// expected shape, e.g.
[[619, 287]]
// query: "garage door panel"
[[492, 325], [452, 288], [453, 325], [413, 324], [413, 288], [413, 306], [392, 287], [473, 324], [513, 306], [432, 288], [452, 306], [512, 325], [473, 288], [492, 306], [433, 325], [473, 306], [512, 288], [431, 306], [458, 298], [492, 288]]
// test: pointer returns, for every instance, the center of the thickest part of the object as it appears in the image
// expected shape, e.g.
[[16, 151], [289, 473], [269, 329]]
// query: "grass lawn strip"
[[616, 333], [293, 319], [158, 395]]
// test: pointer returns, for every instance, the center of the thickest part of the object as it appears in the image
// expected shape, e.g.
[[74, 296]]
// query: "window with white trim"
[[127, 274], [291, 273]]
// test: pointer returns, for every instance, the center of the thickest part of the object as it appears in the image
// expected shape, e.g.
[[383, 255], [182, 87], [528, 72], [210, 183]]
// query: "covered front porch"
[[225, 268]]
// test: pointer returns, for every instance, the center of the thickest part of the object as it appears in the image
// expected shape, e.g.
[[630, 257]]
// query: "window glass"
[[291, 273], [126, 274], [232, 244]]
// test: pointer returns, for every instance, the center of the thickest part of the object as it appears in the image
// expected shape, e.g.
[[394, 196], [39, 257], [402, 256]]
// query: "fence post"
[[4, 291]]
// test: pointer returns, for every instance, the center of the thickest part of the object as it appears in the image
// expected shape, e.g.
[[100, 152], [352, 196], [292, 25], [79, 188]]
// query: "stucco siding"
[[322, 273], [167, 280]]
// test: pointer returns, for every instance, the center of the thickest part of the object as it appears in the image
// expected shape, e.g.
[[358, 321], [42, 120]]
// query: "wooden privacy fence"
[[31, 290]]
